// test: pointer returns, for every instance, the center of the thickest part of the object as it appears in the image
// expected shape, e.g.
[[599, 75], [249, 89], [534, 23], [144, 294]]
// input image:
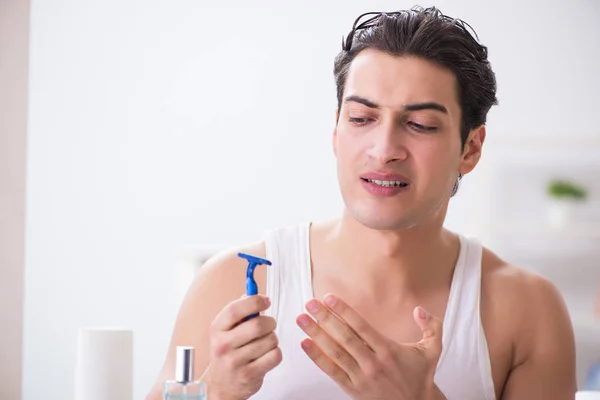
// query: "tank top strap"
[[463, 299]]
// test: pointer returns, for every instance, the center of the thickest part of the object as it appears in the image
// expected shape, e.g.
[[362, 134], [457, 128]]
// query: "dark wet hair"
[[428, 34]]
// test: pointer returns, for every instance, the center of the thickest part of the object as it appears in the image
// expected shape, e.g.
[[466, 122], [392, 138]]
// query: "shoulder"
[[512, 285], [228, 259], [514, 282], [225, 272], [525, 306]]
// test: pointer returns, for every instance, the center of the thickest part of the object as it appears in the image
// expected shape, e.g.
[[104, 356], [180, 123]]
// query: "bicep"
[[547, 368]]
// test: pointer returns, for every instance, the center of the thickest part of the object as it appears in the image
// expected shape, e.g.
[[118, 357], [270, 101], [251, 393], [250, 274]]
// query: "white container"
[[585, 395], [104, 366], [562, 212]]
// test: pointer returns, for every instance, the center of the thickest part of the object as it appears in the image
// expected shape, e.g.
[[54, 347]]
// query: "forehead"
[[394, 81]]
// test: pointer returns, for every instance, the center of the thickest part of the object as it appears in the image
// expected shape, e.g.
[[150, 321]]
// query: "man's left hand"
[[366, 364]]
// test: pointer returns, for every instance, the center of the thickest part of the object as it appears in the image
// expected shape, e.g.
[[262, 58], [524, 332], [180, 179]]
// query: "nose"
[[388, 144]]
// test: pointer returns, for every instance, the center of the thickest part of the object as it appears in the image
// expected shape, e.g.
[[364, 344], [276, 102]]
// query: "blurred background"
[[139, 137]]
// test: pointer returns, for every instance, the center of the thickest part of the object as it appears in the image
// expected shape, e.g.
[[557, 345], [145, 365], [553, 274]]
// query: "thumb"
[[431, 326]]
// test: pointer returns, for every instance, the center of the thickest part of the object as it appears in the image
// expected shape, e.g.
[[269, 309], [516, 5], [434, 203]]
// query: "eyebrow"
[[428, 105]]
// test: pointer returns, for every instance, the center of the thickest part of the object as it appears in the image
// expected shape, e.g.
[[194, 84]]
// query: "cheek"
[[436, 162], [350, 163], [348, 150]]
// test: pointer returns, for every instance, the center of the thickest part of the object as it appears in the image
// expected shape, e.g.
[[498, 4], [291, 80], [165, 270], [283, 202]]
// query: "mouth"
[[384, 183]]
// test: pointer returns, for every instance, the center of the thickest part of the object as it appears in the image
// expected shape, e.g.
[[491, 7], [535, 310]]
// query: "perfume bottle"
[[184, 387], [592, 380]]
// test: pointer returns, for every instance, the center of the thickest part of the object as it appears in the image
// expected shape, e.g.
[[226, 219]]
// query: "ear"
[[472, 151], [334, 136]]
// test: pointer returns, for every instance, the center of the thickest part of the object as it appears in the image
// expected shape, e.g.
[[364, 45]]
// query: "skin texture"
[[397, 259]]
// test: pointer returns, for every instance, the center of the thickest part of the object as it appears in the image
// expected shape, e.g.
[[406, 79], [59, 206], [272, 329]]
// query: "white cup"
[[587, 395], [104, 366]]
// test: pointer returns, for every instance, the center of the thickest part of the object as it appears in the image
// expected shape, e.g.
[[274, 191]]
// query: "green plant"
[[564, 189]]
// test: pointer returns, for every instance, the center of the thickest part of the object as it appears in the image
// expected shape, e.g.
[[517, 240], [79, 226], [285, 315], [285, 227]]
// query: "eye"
[[421, 128], [359, 121]]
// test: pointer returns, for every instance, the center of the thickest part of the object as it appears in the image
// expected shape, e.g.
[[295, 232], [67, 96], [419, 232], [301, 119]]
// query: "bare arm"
[[220, 281], [545, 352]]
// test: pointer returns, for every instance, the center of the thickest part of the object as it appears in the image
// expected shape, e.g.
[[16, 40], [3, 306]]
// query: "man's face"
[[397, 141]]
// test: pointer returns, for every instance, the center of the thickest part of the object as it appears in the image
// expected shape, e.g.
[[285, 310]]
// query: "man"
[[384, 303]]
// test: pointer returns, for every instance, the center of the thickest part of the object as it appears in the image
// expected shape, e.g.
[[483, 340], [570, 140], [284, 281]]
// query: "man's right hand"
[[241, 351]]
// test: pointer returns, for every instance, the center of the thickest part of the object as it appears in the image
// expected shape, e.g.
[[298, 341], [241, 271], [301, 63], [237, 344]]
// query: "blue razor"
[[251, 286]]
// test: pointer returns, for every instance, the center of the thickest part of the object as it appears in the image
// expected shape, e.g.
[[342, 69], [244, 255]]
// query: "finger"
[[324, 363], [251, 330], [239, 309], [257, 348], [357, 323], [267, 362], [340, 332], [432, 333], [328, 345]]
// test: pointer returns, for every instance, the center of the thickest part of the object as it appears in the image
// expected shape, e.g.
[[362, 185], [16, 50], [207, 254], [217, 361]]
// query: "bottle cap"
[[184, 364]]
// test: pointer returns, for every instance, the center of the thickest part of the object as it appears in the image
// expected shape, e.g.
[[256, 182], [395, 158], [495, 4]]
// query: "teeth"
[[387, 183]]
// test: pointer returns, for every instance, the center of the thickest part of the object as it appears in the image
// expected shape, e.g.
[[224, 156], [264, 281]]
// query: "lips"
[[387, 183], [388, 179], [381, 184]]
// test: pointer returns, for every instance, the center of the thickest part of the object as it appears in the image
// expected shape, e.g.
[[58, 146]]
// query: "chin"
[[382, 221]]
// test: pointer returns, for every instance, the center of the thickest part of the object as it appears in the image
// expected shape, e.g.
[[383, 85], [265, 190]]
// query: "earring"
[[456, 185]]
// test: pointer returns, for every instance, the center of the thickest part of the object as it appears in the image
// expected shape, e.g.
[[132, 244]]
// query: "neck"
[[390, 265]]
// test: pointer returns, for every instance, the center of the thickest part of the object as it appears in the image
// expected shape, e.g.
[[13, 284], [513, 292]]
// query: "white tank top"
[[463, 371]]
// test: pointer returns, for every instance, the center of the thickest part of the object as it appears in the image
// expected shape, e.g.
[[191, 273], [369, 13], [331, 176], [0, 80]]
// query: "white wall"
[[14, 38], [164, 129]]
